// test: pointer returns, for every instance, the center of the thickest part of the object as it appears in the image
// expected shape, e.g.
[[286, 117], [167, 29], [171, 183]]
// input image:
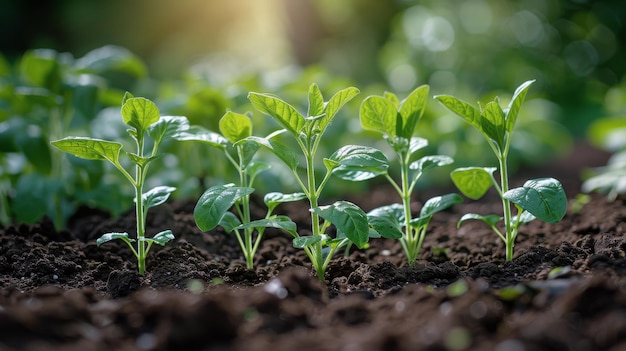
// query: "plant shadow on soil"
[[59, 291]]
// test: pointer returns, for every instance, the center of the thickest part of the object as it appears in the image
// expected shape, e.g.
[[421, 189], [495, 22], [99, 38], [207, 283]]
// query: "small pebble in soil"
[[445, 308], [385, 253], [276, 288], [146, 341], [478, 309], [510, 345]]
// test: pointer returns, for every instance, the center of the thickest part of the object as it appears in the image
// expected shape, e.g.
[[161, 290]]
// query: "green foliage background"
[[200, 58]]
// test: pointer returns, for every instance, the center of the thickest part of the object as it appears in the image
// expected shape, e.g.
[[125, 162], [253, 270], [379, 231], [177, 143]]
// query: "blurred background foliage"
[[200, 58]]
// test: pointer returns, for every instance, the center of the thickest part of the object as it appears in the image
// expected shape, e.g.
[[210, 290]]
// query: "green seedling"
[[610, 179], [213, 206], [143, 118], [397, 120], [352, 162], [543, 198]]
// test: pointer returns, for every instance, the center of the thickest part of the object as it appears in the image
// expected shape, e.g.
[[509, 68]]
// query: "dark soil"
[[59, 291]]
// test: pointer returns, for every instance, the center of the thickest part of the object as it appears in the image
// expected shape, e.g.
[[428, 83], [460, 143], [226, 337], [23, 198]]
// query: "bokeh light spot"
[[402, 77], [527, 28], [438, 34], [475, 16], [581, 57]]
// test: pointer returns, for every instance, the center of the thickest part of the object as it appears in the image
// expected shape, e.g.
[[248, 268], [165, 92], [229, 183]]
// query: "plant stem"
[[318, 261], [248, 251], [139, 208], [408, 239], [506, 206]]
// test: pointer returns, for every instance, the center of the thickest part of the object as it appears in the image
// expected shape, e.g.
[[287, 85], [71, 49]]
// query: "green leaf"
[[89, 148], [127, 95], [524, 217], [86, 96], [168, 127], [374, 234], [280, 222], [491, 220], [157, 195], [316, 101], [215, 202], [420, 222], [248, 149], [393, 212], [492, 123], [412, 109], [140, 113], [280, 150], [111, 58], [544, 198], [235, 126], [161, 238], [283, 113], [335, 103], [197, 133], [348, 218], [256, 168], [379, 114], [41, 68], [358, 163], [9, 129], [439, 203], [416, 144], [31, 197], [473, 182], [112, 236], [142, 161], [229, 222], [516, 104], [386, 227], [303, 241], [33, 144], [26, 98], [393, 98], [427, 162], [466, 111], [275, 198]]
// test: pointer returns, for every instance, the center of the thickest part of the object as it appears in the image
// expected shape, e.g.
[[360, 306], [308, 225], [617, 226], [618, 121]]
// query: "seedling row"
[[296, 144]]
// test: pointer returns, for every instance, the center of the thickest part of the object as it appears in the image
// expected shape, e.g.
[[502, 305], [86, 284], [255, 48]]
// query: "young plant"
[[608, 133], [143, 118], [538, 198], [352, 162], [213, 206], [610, 179], [396, 120]]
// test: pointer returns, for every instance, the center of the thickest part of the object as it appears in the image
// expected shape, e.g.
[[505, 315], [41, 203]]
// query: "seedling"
[[213, 206], [538, 198], [143, 118], [396, 120], [610, 179], [353, 162]]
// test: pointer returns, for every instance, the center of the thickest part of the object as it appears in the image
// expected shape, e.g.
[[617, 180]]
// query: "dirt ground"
[[564, 290]]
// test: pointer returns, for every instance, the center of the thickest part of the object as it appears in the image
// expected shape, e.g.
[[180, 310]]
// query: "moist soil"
[[565, 289]]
